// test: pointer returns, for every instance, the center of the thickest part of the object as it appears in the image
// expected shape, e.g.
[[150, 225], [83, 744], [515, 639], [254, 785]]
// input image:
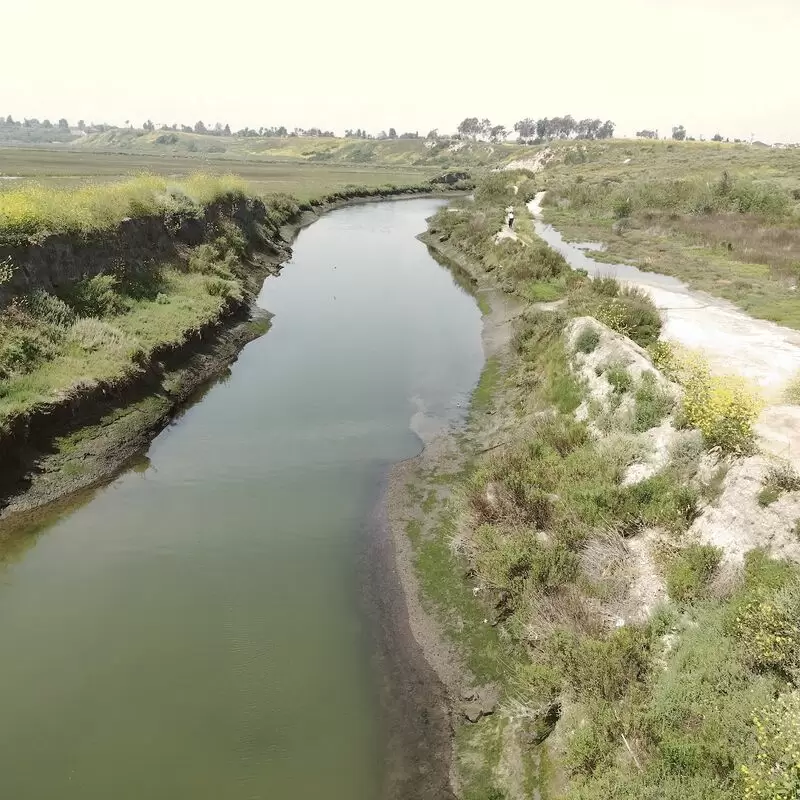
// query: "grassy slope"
[[407, 152], [74, 168], [303, 167], [104, 328], [671, 210], [699, 702]]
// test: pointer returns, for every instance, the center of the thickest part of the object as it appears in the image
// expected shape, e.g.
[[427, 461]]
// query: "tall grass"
[[35, 209]]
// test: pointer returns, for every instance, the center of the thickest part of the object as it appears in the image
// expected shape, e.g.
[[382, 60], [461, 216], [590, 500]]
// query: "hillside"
[[395, 152]]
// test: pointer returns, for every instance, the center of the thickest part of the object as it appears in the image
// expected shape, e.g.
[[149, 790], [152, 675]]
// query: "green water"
[[197, 628]]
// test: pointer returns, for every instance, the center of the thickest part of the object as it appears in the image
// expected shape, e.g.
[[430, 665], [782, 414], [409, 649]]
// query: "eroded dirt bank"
[[71, 444]]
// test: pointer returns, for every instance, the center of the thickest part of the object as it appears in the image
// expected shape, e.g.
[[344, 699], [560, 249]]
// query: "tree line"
[[530, 130], [679, 134]]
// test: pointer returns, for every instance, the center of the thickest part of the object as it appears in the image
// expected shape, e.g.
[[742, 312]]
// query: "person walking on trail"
[[511, 218]]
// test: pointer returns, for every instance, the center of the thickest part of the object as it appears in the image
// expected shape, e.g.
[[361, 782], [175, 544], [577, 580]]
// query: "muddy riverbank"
[[451, 692], [272, 603], [83, 440]]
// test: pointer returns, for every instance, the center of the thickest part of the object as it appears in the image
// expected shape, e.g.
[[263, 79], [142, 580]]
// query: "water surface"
[[196, 630]]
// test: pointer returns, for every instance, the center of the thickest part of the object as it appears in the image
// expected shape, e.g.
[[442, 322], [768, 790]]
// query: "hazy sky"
[[727, 65]]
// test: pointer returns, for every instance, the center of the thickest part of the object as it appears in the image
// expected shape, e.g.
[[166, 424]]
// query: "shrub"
[[602, 669], [49, 309], [763, 572], [623, 207], [563, 433], [619, 378], [95, 297], [589, 747], [774, 772], [662, 500], [724, 409], [21, 348], [652, 403], [552, 567], [218, 287], [791, 393], [626, 310], [768, 628], [768, 495], [784, 477], [503, 558], [697, 716], [690, 571]]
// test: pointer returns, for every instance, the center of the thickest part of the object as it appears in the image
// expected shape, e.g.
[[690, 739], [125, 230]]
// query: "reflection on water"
[[194, 629]]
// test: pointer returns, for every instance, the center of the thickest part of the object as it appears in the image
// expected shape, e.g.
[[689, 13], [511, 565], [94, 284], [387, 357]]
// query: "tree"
[[717, 137], [187, 128], [226, 130], [81, 125], [47, 124], [9, 120], [588, 128], [526, 128], [498, 133], [148, 125], [199, 127], [63, 124], [470, 127], [433, 133], [646, 134], [679, 133], [392, 133], [606, 130], [542, 126]]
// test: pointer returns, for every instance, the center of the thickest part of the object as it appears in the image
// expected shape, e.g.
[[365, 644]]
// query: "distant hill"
[[393, 152]]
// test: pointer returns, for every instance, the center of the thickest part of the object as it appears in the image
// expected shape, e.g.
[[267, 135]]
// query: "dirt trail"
[[733, 342]]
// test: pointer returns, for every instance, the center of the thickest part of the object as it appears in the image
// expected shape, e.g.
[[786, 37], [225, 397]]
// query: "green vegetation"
[[724, 408], [304, 180], [696, 702], [587, 341], [490, 376], [625, 309], [104, 329], [619, 378], [33, 209], [690, 571], [722, 217], [653, 403], [780, 478]]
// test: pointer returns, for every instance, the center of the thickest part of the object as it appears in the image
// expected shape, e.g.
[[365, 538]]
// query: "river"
[[198, 627]]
